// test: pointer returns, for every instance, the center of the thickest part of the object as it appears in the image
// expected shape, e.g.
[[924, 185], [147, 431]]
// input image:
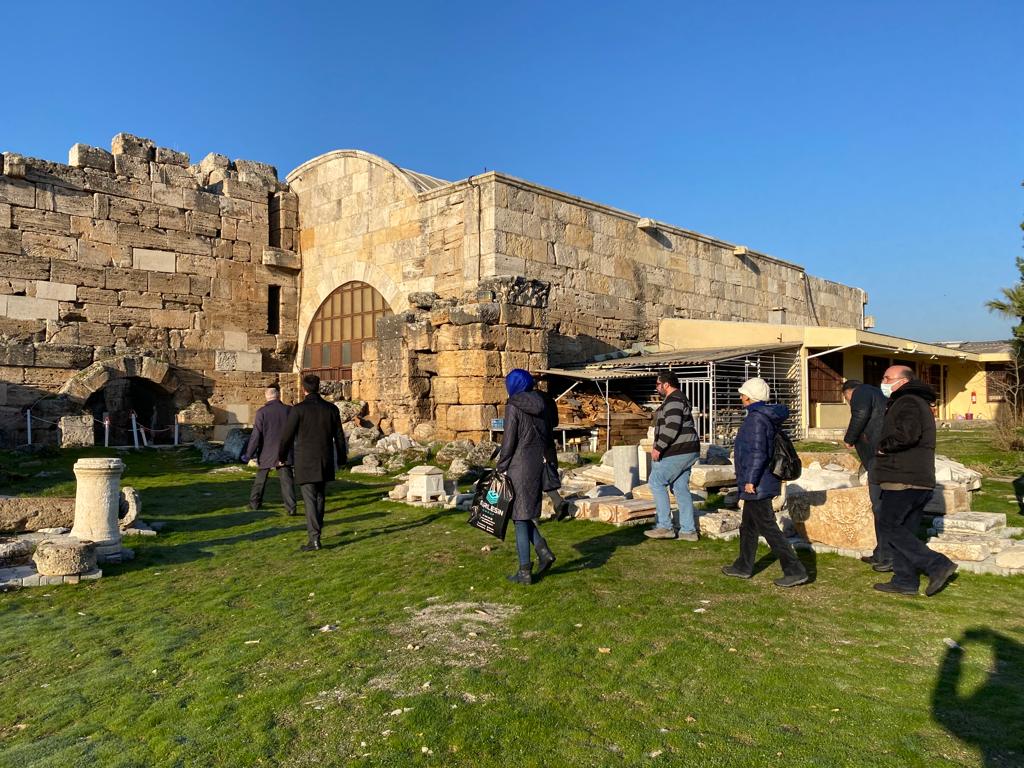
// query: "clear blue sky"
[[880, 144]]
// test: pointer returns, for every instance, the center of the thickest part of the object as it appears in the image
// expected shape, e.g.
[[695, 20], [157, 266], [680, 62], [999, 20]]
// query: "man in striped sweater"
[[676, 450]]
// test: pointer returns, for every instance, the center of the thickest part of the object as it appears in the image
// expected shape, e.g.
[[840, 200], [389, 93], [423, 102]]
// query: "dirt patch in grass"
[[457, 634]]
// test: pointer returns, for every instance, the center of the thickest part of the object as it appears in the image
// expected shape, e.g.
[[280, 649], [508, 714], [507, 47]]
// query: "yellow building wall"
[[963, 379]]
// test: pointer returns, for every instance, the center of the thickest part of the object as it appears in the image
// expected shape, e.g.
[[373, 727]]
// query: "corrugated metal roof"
[[627, 367], [422, 181], [978, 347]]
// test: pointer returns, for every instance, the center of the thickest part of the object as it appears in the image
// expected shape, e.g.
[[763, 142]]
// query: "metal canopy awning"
[[601, 373], [638, 366]]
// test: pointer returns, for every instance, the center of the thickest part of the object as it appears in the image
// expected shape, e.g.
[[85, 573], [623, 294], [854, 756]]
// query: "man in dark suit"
[[265, 445], [867, 410], [314, 428]]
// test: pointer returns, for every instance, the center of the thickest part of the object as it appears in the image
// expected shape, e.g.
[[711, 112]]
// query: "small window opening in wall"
[[273, 309]]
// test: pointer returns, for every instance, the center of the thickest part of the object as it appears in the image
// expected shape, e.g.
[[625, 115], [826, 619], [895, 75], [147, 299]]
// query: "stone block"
[[171, 318], [162, 282], [25, 514], [15, 166], [838, 517], [133, 146], [970, 522], [1012, 557], [720, 522], [132, 167], [282, 259], [470, 362], [961, 549], [227, 360], [444, 390], [56, 291], [64, 556], [36, 220], [470, 418], [949, 499], [466, 314], [10, 242], [77, 274], [240, 190], [77, 432], [476, 390], [236, 341], [30, 308], [171, 157], [465, 337], [66, 357], [84, 156], [712, 475]]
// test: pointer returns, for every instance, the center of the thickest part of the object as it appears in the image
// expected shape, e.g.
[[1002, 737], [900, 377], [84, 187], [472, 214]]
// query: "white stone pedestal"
[[97, 497], [426, 483]]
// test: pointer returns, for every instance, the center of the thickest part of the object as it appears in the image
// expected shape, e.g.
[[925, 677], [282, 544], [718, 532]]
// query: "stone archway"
[[118, 387], [91, 379]]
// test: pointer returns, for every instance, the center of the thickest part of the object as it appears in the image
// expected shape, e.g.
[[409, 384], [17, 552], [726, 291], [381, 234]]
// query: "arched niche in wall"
[[344, 322]]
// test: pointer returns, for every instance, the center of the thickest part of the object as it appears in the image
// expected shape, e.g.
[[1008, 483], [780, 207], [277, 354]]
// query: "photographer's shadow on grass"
[[979, 695]]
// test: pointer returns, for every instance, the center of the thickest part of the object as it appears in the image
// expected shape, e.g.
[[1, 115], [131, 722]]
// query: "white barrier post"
[[106, 430], [175, 429], [28, 421], [135, 431]]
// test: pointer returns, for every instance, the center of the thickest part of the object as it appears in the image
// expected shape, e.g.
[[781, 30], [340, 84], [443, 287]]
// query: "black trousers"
[[883, 552], [759, 520], [284, 476], [313, 501], [901, 518]]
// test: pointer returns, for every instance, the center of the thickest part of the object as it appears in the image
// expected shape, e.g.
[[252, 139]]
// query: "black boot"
[[545, 557], [312, 546], [523, 575]]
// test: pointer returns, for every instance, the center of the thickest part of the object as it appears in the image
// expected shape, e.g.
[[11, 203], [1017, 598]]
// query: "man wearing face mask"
[[905, 470]]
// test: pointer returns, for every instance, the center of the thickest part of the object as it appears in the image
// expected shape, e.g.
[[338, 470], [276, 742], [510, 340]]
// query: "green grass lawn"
[[206, 650]]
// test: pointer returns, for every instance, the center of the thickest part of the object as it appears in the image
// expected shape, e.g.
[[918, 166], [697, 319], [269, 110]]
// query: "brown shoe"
[[660, 533]]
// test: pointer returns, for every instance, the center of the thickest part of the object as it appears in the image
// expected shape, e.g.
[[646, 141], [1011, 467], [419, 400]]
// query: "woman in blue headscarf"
[[527, 433]]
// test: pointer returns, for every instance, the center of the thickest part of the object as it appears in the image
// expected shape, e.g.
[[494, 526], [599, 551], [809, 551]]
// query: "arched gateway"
[[343, 323]]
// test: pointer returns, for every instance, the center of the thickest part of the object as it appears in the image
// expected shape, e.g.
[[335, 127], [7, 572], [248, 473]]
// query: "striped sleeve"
[[675, 412]]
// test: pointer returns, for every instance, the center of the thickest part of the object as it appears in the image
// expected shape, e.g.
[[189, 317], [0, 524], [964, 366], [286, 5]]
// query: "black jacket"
[[265, 441], [867, 411], [314, 427], [906, 447], [523, 444]]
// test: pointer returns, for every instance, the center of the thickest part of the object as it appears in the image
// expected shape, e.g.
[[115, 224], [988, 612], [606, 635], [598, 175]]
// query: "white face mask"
[[886, 388]]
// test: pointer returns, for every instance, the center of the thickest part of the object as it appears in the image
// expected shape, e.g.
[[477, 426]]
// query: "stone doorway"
[[153, 406]]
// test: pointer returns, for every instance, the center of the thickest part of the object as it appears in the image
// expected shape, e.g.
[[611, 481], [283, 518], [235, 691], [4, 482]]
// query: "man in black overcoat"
[[867, 411], [265, 445], [314, 429]]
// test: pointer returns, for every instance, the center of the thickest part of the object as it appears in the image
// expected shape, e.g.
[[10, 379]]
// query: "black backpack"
[[785, 463]]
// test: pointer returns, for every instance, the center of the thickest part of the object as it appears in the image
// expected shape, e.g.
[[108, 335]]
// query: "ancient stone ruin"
[[137, 282]]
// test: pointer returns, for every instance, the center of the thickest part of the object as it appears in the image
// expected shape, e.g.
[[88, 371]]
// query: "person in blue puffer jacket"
[[755, 443]]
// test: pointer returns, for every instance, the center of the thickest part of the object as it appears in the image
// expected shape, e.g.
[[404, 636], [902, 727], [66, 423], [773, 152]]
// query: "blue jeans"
[[673, 471], [527, 533]]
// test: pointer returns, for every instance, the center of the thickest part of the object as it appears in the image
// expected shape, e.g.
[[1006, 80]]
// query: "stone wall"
[[437, 369], [612, 282], [136, 253]]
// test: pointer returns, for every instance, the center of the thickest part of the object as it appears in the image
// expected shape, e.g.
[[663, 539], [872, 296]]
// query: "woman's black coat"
[[527, 434]]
